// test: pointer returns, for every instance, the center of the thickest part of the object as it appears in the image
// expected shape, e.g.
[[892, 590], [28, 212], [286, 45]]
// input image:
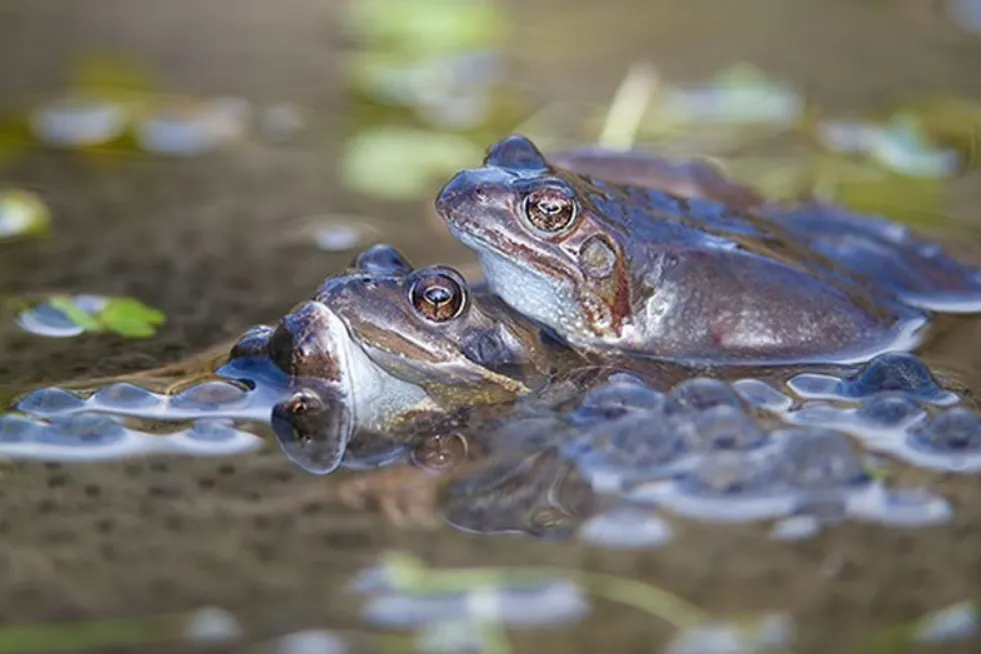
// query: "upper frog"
[[606, 264]]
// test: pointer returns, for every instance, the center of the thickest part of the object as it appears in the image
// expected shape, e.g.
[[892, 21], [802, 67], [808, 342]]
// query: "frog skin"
[[633, 268], [890, 253], [430, 327], [693, 179]]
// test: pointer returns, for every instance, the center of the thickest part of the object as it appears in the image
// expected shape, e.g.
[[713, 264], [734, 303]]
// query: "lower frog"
[[609, 265], [386, 351]]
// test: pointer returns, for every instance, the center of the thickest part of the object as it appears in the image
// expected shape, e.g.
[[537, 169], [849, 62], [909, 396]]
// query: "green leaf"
[[75, 313], [130, 318]]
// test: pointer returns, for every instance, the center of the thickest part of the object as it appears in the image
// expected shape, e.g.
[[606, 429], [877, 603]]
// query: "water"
[[117, 514]]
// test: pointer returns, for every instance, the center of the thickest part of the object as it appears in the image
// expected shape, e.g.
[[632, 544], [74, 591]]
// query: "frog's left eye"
[[438, 295], [550, 210]]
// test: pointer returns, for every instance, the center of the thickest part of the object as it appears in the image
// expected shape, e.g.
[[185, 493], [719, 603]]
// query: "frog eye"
[[438, 295], [550, 210]]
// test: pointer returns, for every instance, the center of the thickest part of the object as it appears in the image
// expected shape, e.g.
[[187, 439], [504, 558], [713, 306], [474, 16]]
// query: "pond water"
[[139, 478]]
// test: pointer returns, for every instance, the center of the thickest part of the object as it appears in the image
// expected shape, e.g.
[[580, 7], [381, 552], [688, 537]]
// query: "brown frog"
[[610, 266]]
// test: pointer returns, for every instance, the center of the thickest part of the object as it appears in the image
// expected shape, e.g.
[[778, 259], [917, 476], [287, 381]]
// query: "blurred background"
[[173, 171]]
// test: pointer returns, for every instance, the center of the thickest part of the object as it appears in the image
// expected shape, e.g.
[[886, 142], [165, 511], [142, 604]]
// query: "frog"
[[615, 266], [384, 351]]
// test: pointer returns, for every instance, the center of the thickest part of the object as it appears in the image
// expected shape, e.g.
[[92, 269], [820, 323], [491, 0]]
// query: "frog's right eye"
[[438, 295], [550, 210]]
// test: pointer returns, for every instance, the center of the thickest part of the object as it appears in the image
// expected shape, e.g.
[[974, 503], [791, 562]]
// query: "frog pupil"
[[438, 295], [549, 207]]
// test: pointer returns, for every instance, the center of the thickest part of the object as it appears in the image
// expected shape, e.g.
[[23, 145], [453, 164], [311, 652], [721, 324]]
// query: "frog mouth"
[[314, 425]]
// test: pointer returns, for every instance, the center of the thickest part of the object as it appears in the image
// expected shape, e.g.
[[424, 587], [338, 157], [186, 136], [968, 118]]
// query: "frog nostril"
[[451, 192]]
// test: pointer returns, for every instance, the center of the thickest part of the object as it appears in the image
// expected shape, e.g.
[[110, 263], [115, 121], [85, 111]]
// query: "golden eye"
[[550, 210], [437, 296]]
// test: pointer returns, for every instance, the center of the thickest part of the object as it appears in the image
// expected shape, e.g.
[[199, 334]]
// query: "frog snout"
[[454, 193], [469, 188], [302, 345]]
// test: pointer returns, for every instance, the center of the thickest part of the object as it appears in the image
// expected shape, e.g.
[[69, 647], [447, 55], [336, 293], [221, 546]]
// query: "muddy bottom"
[[213, 242]]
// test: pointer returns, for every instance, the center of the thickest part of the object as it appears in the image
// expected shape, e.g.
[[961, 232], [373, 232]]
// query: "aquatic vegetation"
[[403, 576], [22, 214], [400, 163], [64, 316], [208, 625], [437, 58]]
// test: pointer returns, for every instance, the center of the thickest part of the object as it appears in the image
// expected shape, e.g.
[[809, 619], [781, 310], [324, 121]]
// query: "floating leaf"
[[130, 318], [22, 213], [75, 313], [401, 163], [64, 316]]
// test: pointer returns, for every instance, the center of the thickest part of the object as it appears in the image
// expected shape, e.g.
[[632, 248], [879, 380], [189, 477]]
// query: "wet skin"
[[634, 268], [692, 179]]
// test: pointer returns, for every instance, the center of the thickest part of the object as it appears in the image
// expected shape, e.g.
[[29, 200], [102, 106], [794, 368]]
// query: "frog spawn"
[[704, 453], [894, 406], [124, 420]]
